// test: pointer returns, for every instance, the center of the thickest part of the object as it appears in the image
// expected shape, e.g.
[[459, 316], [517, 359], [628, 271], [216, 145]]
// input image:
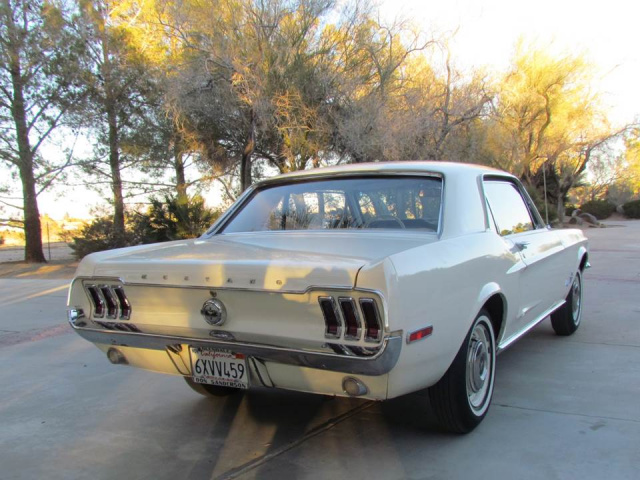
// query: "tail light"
[[109, 301], [98, 302], [332, 323], [373, 327], [353, 327], [344, 317], [125, 306]]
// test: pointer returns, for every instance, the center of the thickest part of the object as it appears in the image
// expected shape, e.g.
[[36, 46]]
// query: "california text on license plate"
[[219, 367]]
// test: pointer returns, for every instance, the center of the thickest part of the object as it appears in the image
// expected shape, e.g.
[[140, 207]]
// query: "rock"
[[575, 221], [620, 209], [587, 217], [576, 212]]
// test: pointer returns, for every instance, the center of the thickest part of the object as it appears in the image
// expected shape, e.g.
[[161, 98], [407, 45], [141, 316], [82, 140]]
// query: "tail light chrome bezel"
[[345, 304], [371, 321], [123, 301], [96, 299], [352, 317], [108, 301], [330, 309]]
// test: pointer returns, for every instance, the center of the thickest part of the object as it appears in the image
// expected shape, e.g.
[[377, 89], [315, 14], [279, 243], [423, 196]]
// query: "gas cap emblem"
[[214, 312]]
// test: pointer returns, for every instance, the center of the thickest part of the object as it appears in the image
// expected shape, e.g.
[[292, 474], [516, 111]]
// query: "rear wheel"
[[210, 390], [461, 399], [566, 319]]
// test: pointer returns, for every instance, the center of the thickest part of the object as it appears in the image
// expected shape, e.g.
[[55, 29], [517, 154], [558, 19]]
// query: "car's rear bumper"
[[332, 357]]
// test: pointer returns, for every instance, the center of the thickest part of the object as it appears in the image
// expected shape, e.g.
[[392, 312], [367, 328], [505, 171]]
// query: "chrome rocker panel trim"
[[379, 363], [506, 343]]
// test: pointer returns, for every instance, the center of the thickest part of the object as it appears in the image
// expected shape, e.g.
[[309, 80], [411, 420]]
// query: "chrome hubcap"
[[576, 299], [480, 358]]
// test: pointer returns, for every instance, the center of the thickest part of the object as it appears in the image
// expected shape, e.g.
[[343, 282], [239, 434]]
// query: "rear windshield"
[[394, 203]]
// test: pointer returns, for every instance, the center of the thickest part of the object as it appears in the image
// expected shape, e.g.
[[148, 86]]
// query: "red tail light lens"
[[333, 325], [98, 302], [110, 301], [373, 327], [351, 318], [125, 306]]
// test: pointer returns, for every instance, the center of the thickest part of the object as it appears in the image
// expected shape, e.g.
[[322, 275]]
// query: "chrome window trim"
[[536, 218], [216, 228]]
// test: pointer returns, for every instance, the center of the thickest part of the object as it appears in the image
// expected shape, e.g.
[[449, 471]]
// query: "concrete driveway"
[[563, 408]]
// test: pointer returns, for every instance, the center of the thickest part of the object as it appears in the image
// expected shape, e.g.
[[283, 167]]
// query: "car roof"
[[406, 167]]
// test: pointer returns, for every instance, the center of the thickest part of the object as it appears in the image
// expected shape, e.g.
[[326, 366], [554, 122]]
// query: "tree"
[[38, 87], [374, 67], [119, 91], [547, 122], [286, 83]]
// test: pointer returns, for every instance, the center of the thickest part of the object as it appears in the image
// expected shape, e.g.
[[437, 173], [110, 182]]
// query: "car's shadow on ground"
[[245, 429]]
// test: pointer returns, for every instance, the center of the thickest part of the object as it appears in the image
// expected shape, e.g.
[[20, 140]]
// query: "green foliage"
[[97, 236], [632, 209], [570, 208], [600, 209], [538, 199], [162, 222], [173, 219]]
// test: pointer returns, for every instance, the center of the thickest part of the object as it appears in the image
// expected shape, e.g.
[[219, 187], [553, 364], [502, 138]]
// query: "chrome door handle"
[[522, 245]]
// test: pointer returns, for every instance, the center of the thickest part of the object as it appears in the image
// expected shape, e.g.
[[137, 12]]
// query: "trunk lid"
[[287, 261]]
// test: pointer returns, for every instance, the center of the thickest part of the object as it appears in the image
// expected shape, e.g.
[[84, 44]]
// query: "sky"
[[607, 33]]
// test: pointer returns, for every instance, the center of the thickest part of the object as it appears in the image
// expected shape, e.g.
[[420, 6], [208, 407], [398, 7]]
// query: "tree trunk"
[[181, 181], [32, 229], [245, 163], [116, 178], [561, 212], [111, 109]]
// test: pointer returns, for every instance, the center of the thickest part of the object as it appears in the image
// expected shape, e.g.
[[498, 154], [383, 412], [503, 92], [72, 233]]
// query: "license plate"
[[219, 367]]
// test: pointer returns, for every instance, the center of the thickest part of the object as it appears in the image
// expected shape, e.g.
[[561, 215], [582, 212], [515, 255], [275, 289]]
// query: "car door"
[[523, 232]]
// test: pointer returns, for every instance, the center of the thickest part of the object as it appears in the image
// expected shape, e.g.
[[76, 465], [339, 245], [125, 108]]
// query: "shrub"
[[1, 240], [162, 222], [172, 220], [96, 237], [600, 209], [632, 209]]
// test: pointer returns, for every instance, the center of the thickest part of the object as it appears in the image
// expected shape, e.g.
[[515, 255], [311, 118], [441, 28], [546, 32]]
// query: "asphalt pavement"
[[563, 407]]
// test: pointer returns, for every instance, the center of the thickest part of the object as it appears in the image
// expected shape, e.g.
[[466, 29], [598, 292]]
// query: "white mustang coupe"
[[368, 280]]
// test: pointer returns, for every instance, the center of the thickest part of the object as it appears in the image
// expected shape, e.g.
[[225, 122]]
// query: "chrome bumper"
[[339, 359]]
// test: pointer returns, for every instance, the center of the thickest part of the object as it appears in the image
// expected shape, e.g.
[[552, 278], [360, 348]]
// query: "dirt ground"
[[62, 265]]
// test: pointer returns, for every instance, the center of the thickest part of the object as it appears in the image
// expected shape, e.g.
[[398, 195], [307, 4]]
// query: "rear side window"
[[509, 209]]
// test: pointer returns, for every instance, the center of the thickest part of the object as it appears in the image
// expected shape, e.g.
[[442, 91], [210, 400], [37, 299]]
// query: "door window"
[[509, 209]]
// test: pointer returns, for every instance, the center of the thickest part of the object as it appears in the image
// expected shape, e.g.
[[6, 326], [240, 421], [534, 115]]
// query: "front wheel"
[[210, 390], [461, 399], [566, 319]]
